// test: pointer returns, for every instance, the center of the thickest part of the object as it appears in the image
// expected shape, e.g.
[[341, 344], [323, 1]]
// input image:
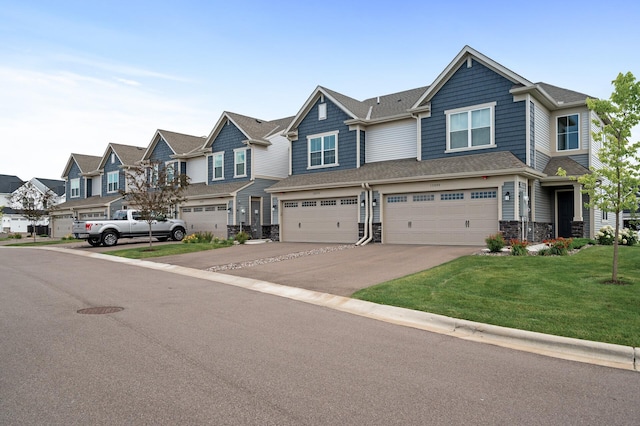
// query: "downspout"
[[368, 234], [366, 216]]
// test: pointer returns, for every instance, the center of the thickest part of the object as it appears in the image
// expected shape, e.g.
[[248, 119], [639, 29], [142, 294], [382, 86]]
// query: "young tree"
[[33, 203], [154, 189], [613, 187]]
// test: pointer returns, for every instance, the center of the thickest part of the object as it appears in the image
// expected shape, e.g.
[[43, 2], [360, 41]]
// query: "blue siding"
[[532, 135], [162, 152], [75, 173], [229, 138], [473, 86], [310, 125], [363, 147], [115, 167]]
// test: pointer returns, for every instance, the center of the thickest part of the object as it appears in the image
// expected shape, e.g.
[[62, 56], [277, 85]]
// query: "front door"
[[256, 224], [565, 213]]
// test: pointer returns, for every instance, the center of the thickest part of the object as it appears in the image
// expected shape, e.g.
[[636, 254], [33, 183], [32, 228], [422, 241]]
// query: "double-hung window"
[[218, 166], [75, 188], [170, 171], [240, 163], [323, 150], [470, 128], [568, 132], [113, 181]]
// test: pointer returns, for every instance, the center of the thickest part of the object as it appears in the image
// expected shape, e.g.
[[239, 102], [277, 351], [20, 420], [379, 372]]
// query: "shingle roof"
[[55, 185], [182, 143], [572, 167], [394, 103], [9, 183], [128, 154], [563, 95], [406, 170], [87, 163], [96, 201], [217, 189], [358, 108]]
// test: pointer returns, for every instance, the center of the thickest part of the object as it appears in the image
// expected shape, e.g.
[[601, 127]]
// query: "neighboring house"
[[244, 155], [8, 184], [13, 218], [474, 153], [93, 184]]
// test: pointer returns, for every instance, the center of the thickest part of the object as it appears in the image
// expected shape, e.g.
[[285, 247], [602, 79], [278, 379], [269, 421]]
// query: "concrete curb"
[[605, 354]]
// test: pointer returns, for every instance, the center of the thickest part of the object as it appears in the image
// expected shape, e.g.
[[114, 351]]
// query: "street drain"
[[100, 310]]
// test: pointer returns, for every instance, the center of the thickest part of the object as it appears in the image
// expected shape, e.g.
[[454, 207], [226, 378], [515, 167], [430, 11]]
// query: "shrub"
[[198, 237], [242, 237], [544, 252], [578, 243], [518, 247], [627, 236], [559, 246], [16, 236], [495, 243]]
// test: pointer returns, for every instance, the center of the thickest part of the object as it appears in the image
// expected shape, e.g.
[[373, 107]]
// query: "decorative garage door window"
[[197, 209], [397, 199], [483, 194], [423, 197], [348, 201], [309, 204], [222, 208], [328, 203], [210, 209], [452, 196], [186, 210], [289, 204]]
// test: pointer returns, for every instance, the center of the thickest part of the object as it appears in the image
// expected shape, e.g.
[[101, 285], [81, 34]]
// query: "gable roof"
[[255, 130], [88, 164], [95, 201], [9, 183], [407, 170], [128, 155], [572, 167], [55, 185], [180, 143], [202, 190]]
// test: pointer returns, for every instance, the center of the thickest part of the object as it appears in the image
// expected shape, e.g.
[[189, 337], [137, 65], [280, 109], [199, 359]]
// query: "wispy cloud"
[[127, 82]]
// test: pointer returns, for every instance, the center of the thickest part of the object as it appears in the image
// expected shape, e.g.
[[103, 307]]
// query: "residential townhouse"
[[474, 153], [12, 217]]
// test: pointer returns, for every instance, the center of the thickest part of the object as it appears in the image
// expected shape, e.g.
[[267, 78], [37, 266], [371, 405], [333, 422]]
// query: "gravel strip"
[[264, 261]]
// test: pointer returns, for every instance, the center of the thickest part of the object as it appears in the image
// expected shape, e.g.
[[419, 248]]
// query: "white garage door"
[[61, 225], [463, 217], [332, 220], [206, 219]]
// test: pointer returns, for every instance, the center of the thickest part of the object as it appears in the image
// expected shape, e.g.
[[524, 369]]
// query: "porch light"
[[375, 201], [507, 196], [274, 207], [362, 203]]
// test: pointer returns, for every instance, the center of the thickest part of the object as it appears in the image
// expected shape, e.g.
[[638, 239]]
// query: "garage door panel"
[[326, 220], [206, 219]]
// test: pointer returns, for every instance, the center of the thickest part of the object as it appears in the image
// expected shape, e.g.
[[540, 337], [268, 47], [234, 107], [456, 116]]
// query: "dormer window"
[[568, 132]]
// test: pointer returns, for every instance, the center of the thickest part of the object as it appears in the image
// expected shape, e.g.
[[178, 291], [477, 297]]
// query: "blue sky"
[[76, 75]]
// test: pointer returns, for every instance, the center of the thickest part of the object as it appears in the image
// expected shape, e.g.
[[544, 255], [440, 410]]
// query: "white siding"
[[585, 129], [542, 129], [272, 161], [594, 161], [197, 169], [391, 141]]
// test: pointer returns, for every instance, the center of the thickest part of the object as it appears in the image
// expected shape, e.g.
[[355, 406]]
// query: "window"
[[75, 188], [322, 111], [452, 196], [170, 172], [476, 195], [397, 199], [423, 197], [153, 174], [218, 166], [605, 216], [323, 150], [240, 162], [112, 181], [568, 127], [470, 128]]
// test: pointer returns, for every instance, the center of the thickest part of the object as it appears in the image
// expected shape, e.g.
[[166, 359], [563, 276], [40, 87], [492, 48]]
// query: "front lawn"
[[562, 295], [28, 242], [167, 249]]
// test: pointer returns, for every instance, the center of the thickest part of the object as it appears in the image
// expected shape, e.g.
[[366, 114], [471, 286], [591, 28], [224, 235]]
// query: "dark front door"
[[565, 213], [256, 225]]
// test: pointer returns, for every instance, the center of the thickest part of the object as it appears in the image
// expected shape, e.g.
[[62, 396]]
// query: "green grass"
[[167, 249], [563, 296], [29, 242]]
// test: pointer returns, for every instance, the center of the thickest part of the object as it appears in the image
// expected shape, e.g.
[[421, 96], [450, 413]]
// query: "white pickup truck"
[[127, 224]]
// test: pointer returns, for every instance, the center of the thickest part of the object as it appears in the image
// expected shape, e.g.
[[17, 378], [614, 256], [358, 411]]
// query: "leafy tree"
[[33, 203], [613, 187], [154, 189]]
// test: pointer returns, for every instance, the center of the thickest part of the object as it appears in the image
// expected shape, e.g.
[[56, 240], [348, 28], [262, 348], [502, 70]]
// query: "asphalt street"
[[191, 351]]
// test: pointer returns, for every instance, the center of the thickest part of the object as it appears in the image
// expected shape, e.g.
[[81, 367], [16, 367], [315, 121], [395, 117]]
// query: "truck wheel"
[[177, 234], [94, 241], [109, 239]]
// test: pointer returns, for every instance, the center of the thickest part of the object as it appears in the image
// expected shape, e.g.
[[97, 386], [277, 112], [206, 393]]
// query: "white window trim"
[[579, 136], [117, 181], [175, 165], [74, 183], [321, 135], [235, 163], [213, 165], [492, 131]]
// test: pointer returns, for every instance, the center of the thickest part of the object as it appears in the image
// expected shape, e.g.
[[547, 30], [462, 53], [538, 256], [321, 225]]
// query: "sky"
[[78, 75]]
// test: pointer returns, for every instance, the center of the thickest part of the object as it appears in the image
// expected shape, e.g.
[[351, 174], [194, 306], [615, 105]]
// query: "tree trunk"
[[150, 237], [614, 269]]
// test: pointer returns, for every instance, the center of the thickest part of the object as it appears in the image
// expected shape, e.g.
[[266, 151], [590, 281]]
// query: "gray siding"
[[532, 135], [256, 189], [543, 203], [541, 160], [162, 152], [582, 159], [75, 173], [473, 86], [310, 125], [229, 138], [508, 207], [115, 167]]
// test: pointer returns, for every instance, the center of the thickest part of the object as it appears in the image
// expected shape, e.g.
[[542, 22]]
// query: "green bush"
[[198, 237], [627, 237], [242, 237], [559, 246], [16, 236], [519, 248], [495, 243]]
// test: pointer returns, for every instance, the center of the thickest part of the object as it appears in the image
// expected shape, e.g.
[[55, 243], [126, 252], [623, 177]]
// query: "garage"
[[331, 220], [212, 218], [61, 225], [464, 217]]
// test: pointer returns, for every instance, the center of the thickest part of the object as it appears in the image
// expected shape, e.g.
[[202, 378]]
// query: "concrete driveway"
[[328, 268]]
